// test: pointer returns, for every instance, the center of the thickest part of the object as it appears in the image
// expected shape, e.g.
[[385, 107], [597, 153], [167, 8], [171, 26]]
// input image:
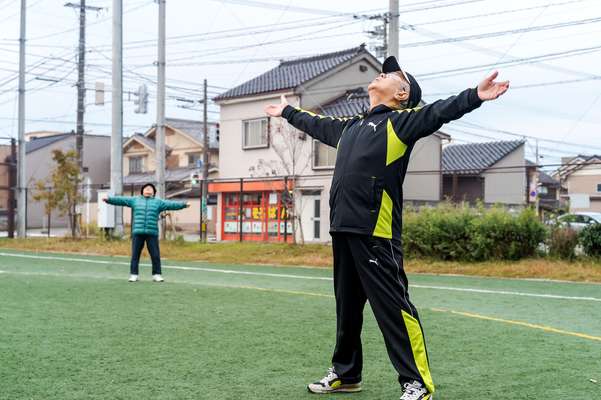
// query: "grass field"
[[71, 327]]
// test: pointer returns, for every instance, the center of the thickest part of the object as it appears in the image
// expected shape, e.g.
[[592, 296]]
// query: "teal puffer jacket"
[[145, 211]]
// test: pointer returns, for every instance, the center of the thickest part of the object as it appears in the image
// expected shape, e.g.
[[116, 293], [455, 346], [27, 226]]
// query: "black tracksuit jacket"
[[366, 195]]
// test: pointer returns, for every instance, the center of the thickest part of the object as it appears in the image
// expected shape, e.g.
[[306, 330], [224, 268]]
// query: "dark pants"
[[137, 244], [370, 268]]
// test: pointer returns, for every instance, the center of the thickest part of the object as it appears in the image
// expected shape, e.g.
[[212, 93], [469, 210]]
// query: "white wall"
[[426, 156], [506, 185]]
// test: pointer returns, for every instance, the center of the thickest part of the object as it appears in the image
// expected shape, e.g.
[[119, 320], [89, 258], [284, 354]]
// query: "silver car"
[[579, 220]]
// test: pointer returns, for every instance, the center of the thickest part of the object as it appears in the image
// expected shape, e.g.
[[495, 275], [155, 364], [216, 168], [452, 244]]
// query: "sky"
[[549, 50]]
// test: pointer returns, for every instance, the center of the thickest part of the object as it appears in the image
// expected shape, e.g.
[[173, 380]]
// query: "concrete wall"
[[426, 156], [506, 185]]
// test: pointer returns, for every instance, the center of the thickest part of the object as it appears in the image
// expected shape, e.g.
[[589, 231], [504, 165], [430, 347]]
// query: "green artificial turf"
[[75, 329]]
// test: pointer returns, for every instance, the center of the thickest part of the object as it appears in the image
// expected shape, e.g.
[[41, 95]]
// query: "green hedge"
[[449, 232], [590, 238]]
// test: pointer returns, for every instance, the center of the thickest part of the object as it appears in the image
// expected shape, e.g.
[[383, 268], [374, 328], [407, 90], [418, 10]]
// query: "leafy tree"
[[63, 193]]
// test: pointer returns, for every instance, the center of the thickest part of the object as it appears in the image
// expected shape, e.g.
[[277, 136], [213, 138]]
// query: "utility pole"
[[380, 32], [205, 163], [22, 180], [81, 88], [117, 113], [393, 26], [160, 129]]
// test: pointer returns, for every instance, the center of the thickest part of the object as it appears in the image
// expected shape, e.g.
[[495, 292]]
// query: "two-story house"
[[580, 179], [39, 166], [491, 172], [260, 156], [184, 150]]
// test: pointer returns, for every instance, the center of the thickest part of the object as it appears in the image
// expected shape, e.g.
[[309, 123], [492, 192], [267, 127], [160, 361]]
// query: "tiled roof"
[[171, 175], [546, 179], [37, 144], [195, 129], [290, 74], [145, 140], [474, 158], [353, 102]]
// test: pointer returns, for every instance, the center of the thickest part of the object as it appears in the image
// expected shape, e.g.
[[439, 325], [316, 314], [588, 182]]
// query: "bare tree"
[[293, 159]]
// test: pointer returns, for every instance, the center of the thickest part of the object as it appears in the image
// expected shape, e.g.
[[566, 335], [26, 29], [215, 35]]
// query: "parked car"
[[579, 220]]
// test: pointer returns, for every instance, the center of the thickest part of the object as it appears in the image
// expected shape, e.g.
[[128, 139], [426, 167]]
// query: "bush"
[[474, 234], [441, 232], [562, 243], [590, 238], [498, 235]]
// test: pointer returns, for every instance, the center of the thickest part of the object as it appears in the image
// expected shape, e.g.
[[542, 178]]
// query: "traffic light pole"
[[205, 165]]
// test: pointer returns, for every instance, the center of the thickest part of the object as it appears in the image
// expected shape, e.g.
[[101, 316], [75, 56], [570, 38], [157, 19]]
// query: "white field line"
[[312, 294], [305, 277]]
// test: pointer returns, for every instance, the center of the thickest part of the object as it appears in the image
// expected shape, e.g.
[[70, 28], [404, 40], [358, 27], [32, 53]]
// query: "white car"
[[579, 220]]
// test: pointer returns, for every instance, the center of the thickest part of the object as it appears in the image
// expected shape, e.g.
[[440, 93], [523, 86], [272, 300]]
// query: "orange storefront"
[[254, 210]]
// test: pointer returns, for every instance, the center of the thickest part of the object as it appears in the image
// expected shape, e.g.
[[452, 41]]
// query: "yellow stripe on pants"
[[418, 347]]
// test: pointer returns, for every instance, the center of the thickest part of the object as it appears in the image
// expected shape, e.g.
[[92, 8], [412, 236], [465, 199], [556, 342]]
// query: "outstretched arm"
[[423, 121], [173, 205], [124, 201], [326, 129]]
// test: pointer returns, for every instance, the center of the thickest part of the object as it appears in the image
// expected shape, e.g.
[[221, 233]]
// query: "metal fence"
[[241, 209]]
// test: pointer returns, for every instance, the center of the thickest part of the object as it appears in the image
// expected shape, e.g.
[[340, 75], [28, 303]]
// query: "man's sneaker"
[[133, 278], [157, 278], [415, 391], [331, 383]]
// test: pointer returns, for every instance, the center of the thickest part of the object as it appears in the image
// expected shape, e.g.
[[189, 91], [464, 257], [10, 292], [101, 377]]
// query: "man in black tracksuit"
[[366, 200]]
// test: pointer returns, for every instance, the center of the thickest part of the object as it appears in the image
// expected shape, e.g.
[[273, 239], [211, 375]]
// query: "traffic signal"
[[194, 178], [141, 100]]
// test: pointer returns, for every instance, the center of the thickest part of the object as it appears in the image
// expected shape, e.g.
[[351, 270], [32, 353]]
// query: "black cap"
[[415, 92]]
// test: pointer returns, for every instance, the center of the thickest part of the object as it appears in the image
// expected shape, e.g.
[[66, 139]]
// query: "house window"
[[599, 187], [255, 133], [136, 165], [193, 159], [323, 156]]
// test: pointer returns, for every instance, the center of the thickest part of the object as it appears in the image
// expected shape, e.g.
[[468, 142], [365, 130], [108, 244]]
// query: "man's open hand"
[[275, 110], [488, 89]]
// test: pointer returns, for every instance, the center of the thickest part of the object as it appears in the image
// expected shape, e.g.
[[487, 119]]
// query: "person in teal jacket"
[[145, 210]]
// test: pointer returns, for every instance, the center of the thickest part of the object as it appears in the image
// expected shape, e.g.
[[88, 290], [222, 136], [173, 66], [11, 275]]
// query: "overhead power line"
[[502, 33], [509, 63]]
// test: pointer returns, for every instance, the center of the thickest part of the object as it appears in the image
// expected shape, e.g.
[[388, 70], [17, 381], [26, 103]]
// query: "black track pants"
[[371, 268], [137, 244]]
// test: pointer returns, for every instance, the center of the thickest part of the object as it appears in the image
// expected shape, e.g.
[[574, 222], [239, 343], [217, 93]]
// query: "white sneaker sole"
[[316, 389]]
